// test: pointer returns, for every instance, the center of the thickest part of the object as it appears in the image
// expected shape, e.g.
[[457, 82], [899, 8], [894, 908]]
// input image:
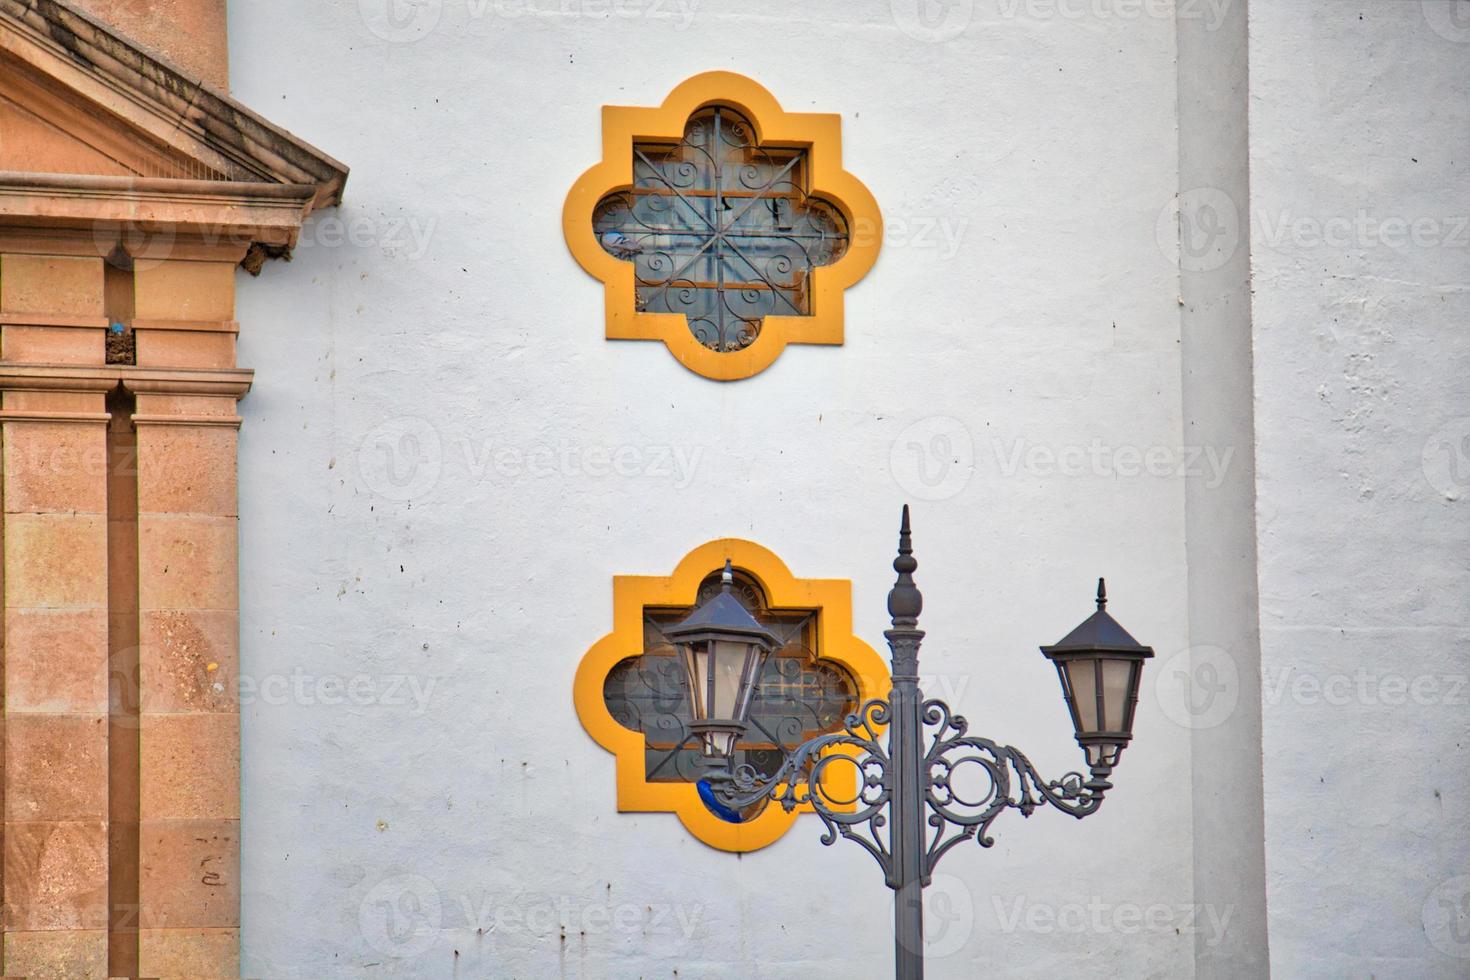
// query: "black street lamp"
[[723, 648], [1100, 666], [910, 808]]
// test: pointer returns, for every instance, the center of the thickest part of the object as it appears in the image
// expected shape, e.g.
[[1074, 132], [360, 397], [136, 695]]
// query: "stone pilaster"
[[131, 801], [187, 429], [54, 442]]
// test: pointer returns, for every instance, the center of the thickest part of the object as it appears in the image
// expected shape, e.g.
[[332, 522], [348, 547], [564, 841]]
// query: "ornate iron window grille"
[[721, 229], [798, 698]]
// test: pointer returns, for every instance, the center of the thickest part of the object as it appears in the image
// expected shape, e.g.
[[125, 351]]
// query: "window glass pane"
[[721, 229]]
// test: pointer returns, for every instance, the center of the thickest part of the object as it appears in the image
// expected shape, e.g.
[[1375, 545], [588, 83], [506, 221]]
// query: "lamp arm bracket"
[[1004, 779], [806, 778], [1000, 777]]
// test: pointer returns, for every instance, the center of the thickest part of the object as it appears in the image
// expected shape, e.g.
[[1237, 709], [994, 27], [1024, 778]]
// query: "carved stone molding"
[[234, 382]]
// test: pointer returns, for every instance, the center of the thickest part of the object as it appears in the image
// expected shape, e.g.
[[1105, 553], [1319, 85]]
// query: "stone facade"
[[118, 421]]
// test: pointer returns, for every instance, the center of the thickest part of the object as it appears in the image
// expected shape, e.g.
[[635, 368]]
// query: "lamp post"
[[909, 810]]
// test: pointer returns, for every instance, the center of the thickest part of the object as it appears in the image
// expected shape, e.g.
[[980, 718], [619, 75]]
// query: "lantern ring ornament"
[[942, 780]]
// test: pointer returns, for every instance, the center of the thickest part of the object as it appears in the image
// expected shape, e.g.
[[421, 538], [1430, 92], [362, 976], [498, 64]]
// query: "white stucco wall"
[[1360, 154], [1025, 308]]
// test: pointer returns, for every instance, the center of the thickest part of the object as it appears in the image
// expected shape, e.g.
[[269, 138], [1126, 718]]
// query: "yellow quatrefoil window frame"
[[632, 595], [817, 135]]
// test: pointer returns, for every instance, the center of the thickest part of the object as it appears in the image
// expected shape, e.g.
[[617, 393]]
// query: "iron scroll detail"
[[953, 817]]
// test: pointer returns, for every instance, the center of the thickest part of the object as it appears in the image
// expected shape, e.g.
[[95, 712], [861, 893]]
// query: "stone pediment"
[[97, 133]]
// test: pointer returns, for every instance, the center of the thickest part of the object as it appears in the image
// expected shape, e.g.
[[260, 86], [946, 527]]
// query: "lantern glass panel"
[[1082, 679], [730, 658], [696, 665], [719, 744], [1115, 677]]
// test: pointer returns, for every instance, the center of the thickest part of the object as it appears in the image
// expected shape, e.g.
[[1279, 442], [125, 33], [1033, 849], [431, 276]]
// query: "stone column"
[[189, 802], [55, 783]]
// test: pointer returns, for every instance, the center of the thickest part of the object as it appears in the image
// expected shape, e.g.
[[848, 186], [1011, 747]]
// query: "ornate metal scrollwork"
[[1012, 782], [804, 779], [953, 818], [721, 229]]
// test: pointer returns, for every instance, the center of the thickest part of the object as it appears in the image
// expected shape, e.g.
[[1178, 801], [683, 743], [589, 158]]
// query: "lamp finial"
[[904, 599], [1102, 594], [727, 577]]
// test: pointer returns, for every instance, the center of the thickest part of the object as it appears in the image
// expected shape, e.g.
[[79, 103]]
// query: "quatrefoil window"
[[721, 229], [722, 226], [632, 695], [799, 696]]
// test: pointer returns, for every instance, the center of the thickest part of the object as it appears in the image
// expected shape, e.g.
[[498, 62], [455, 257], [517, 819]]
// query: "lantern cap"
[[1100, 632], [722, 614]]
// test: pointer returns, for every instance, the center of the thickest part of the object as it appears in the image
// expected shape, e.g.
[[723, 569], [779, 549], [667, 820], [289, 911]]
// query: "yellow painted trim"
[[820, 133], [631, 594]]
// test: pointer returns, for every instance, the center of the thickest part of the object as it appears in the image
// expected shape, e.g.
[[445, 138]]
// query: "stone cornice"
[[217, 212], [161, 101], [234, 382]]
